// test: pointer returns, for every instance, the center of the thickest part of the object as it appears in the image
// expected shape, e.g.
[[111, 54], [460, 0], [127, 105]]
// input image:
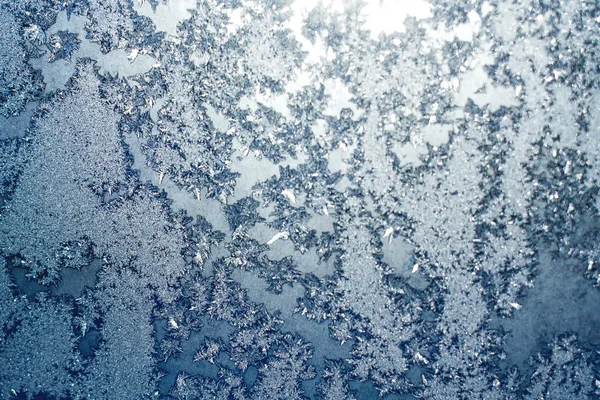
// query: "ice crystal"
[[280, 377], [565, 374], [126, 329], [19, 83], [62, 45], [70, 162], [41, 347], [297, 199]]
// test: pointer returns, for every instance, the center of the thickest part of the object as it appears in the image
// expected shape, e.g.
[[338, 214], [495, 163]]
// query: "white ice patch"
[[436, 134], [302, 79], [487, 8], [339, 98], [387, 16], [252, 169], [319, 129], [277, 102], [469, 30], [277, 236], [219, 120], [236, 20], [247, 103], [339, 159], [199, 59], [475, 84], [167, 16], [465, 32], [409, 153], [289, 194]]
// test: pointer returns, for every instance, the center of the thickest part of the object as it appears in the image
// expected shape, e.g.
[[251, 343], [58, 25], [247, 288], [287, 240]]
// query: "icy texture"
[[18, 82], [330, 199], [71, 159]]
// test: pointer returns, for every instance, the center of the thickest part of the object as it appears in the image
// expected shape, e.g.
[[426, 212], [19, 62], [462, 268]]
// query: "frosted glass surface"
[[299, 199]]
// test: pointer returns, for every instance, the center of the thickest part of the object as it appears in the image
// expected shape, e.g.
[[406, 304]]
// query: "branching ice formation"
[[296, 199]]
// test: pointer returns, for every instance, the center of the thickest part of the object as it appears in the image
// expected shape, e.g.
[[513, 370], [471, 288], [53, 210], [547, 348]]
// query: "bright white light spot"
[[277, 236], [289, 194], [388, 232]]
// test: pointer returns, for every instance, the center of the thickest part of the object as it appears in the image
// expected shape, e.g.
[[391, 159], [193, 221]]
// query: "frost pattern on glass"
[[18, 81], [279, 199]]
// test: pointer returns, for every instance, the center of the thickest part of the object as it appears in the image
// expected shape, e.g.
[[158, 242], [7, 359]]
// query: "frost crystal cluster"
[[299, 199]]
